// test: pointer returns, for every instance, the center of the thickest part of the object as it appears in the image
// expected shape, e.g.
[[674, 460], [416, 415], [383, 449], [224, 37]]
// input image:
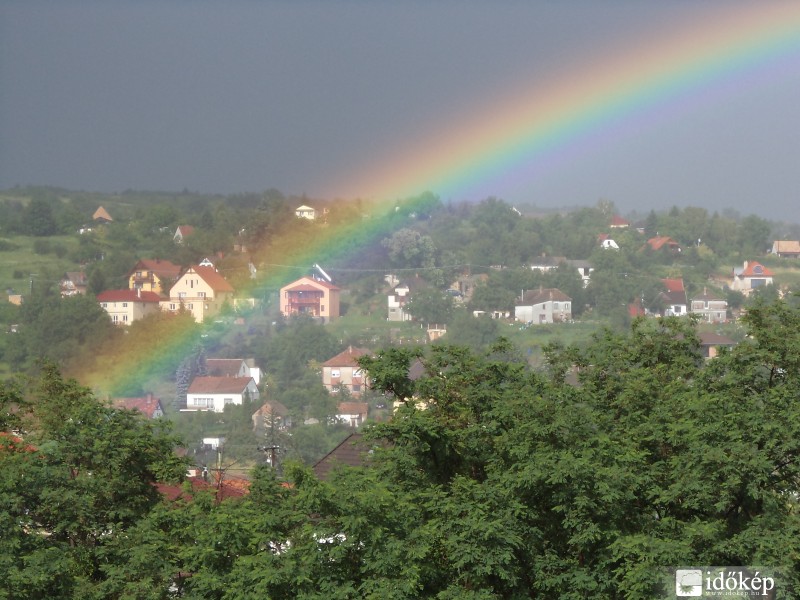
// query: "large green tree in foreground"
[[627, 456]]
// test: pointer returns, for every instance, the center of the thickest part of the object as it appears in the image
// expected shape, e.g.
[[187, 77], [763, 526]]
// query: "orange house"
[[307, 296]]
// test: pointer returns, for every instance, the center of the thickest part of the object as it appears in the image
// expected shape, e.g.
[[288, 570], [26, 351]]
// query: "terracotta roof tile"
[[219, 385], [128, 296]]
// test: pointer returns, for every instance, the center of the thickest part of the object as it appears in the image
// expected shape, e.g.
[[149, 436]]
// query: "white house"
[[305, 212], [215, 393], [545, 305], [709, 307]]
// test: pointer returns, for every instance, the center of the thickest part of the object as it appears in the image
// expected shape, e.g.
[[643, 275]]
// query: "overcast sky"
[[303, 96]]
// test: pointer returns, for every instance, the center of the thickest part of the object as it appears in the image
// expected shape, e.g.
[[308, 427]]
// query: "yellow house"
[[200, 290], [126, 306], [152, 275]]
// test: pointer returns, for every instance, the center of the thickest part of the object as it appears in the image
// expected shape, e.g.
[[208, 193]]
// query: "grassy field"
[[19, 263]]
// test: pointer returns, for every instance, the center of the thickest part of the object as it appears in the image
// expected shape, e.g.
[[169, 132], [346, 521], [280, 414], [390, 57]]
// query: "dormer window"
[[758, 269]]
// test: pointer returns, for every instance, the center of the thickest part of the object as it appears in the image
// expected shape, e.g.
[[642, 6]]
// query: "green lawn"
[[20, 264]]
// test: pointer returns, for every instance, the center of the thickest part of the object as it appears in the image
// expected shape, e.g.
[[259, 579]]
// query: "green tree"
[[38, 218], [431, 306]]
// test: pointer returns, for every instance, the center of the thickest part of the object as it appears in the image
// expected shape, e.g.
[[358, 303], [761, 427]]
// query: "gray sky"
[[303, 96]]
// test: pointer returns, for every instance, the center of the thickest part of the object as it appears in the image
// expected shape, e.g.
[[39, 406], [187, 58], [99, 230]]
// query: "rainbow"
[[540, 125], [533, 130]]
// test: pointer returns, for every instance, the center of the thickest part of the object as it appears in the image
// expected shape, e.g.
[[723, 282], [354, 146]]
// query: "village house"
[[673, 297], [215, 393], [126, 306], [710, 343], [73, 283], [786, 248], [149, 405], [153, 275], [200, 290], [400, 295], [101, 216], [661, 242], [233, 367], [305, 212], [545, 305], [271, 414], [750, 276], [181, 233], [353, 414], [709, 307], [308, 296], [343, 372]]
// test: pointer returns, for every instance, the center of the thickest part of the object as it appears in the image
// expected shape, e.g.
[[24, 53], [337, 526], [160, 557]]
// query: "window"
[[124, 318], [172, 307], [555, 305], [201, 294], [105, 304], [356, 387], [114, 318], [203, 402], [322, 307], [336, 373], [228, 401], [181, 294], [191, 306], [124, 305]]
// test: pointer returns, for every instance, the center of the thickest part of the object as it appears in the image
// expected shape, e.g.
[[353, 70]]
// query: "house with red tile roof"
[[126, 306], [153, 275], [618, 222], [752, 275], [662, 242], [271, 413], [149, 405], [200, 290], [673, 297], [308, 296], [343, 372], [181, 233], [101, 215], [215, 393]]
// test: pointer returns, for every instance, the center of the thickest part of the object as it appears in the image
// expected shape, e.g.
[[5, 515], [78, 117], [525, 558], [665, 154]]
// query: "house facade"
[[153, 275], [353, 414], [343, 372], [271, 414], [305, 212], [545, 305], [200, 290], [126, 306], [215, 393], [674, 298], [308, 296], [710, 308], [750, 276], [73, 283]]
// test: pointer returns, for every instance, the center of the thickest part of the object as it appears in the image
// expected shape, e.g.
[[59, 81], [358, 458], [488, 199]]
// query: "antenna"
[[324, 274]]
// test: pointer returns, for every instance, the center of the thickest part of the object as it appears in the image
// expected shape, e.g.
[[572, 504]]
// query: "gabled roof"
[[544, 295], [617, 221], [162, 268], [271, 407], [658, 242], [673, 285], [223, 367], [412, 284], [347, 358], [352, 408], [788, 246], [304, 208], [308, 281], [219, 385], [348, 453], [216, 281], [184, 230], [128, 296], [146, 405], [755, 269], [101, 214]]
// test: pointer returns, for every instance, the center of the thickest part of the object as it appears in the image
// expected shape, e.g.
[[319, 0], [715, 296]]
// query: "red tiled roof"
[[348, 453], [127, 296], [219, 385], [147, 405], [346, 358], [617, 221], [101, 213], [223, 367], [754, 269], [353, 408], [162, 268], [659, 242], [212, 278], [673, 285], [230, 487], [185, 230]]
